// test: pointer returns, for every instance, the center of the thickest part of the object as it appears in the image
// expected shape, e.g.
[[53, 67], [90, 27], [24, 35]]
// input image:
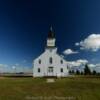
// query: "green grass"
[[76, 88]]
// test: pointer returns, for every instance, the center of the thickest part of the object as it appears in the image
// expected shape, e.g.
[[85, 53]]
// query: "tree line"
[[86, 71]]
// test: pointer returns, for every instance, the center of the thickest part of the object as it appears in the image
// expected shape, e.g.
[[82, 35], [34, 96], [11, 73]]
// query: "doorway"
[[50, 71]]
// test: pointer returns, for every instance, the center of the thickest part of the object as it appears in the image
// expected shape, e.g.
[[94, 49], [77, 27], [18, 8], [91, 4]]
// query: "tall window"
[[61, 61], [67, 67], [39, 61], [61, 69], [50, 60], [39, 70]]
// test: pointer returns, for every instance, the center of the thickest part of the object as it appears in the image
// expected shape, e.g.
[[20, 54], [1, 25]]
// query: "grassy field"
[[75, 88]]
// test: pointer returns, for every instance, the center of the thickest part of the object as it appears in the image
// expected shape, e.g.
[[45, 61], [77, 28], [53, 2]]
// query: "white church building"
[[50, 63]]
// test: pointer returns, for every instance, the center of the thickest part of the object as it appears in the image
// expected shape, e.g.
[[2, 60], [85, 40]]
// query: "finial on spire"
[[51, 29], [51, 33]]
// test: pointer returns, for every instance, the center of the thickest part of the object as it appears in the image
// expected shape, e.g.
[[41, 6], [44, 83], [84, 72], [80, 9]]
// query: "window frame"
[[39, 61], [50, 60], [50, 69], [39, 70], [61, 70], [61, 61]]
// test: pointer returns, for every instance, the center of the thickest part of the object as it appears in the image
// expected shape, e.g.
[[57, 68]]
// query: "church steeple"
[[51, 34], [51, 38]]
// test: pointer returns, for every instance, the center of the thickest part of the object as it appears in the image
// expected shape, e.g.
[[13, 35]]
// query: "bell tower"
[[51, 38]]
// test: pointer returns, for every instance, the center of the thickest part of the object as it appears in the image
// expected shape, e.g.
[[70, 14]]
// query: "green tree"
[[73, 72], [94, 72], [81, 73], [77, 72], [70, 72], [87, 70]]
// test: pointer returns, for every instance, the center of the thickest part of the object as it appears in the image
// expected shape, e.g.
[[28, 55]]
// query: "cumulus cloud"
[[77, 44], [92, 42], [78, 62], [91, 65], [83, 62], [69, 51], [16, 64], [3, 65], [98, 65]]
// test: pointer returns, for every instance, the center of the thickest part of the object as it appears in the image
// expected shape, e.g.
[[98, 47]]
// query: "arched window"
[[39, 70], [61, 70], [39, 61], [67, 67], [61, 61], [50, 60]]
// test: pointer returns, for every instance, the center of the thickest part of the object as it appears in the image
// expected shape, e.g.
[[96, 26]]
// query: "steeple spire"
[[51, 38], [51, 29], [51, 34]]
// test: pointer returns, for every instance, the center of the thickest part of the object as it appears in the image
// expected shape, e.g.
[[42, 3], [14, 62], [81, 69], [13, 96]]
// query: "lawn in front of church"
[[28, 88]]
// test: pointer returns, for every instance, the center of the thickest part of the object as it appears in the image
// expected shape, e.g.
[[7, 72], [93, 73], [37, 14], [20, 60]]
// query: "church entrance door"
[[50, 71]]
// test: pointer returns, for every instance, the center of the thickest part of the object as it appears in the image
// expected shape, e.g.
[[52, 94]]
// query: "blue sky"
[[24, 26]]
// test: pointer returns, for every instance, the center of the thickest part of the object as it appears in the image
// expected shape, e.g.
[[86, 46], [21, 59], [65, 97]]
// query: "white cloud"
[[91, 65], [16, 64], [92, 42], [77, 44], [3, 65], [13, 67], [98, 65], [82, 61], [78, 62], [69, 51]]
